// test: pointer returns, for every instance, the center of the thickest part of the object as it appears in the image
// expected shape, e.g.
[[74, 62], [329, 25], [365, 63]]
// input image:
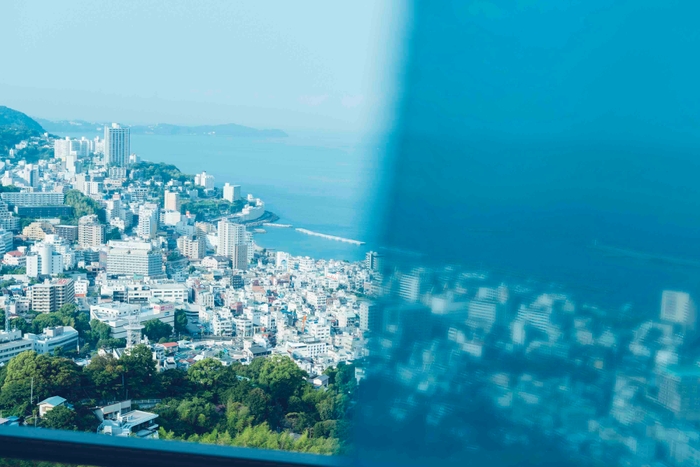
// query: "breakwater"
[[330, 237]]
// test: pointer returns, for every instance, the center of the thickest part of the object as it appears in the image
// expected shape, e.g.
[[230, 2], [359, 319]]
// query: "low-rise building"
[[49, 404], [116, 316], [119, 420], [222, 323], [12, 344], [177, 293], [63, 337]]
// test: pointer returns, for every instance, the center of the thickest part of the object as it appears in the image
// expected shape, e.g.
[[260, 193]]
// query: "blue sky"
[[291, 65]]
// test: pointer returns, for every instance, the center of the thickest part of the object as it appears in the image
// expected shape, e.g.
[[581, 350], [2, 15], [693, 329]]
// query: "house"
[[170, 347], [169, 364], [320, 381], [119, 420], [255, 351], [112, 411], [49, 404]]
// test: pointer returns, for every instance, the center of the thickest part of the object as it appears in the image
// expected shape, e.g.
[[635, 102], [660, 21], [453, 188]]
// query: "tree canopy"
[[83, 205], [268, 403], [60, 418], [155, 329]]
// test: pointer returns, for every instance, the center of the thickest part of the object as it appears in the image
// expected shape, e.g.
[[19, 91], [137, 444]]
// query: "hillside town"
[[130, 242]]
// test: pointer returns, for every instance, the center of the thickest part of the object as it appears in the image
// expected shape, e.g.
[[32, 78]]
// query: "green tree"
[[111, 343], [283, 378], [326, 409], [180, 322], [258, 403], [199, 414], [83, 205], [173, 383], [237, 392], [53, 376], [188, 417], [105, 374], [298, 422], [252, 371], [60, 418], [206, 373], [14, 398], [69, 309], [21, 324], [155, 329], [140, 372], [238, 417], [99, 330], [48, 320]]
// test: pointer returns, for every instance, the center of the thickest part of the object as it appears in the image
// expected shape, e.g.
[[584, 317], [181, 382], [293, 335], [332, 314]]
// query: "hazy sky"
[[291, 65]]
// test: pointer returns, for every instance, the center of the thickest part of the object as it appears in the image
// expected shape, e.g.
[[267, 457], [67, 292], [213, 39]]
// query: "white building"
[[50, 296], [171, 201], [192, 247], [320, 331], [148, 221], [230, 235], [232, 243], [244, 327], [90, 232], [117, 145], [7, 220], [369, 317], [310, 349], [81, 287], [116, 316], [119, 420], [204, 180], [34, 198], [231, 193], [483, 311], [12, 344], [222, 323], [44, 260], [174, 293], [77, 148], [251, 212], [53, 338], [129, 258], [117, 215]]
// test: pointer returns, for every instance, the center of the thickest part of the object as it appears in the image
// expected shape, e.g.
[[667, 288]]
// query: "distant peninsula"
[[228, 129]]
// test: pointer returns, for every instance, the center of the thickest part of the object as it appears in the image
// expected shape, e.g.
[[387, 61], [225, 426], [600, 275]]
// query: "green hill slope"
[[15, 127]]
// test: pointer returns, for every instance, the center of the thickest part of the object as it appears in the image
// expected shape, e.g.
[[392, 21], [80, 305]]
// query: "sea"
[[331, 184]]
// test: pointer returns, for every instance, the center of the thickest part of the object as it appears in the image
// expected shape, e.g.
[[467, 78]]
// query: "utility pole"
[[31, 394]]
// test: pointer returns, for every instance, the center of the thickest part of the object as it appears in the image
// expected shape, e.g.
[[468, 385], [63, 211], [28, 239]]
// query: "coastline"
[[267, 218]]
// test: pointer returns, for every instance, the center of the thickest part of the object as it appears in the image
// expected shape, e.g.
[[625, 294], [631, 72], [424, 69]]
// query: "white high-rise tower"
[[232, 243], [117, 145]]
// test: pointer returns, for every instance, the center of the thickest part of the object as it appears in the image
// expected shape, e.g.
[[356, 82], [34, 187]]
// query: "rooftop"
[[53, 401]]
